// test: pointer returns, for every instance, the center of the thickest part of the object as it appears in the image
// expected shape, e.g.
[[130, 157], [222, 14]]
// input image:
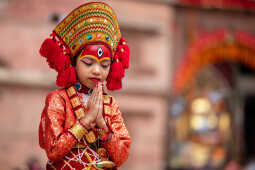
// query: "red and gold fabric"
[[63, 148]]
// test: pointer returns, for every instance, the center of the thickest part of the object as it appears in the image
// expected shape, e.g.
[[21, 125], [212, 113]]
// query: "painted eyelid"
[[88, 64], [88, 61], [105, 63]]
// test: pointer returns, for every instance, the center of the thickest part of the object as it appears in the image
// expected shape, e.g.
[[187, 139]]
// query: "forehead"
[[99, 51]]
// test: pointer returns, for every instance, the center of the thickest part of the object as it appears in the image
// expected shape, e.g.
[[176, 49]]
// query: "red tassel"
[[116, 74], [62, 62], [50, 50], [66, 77], [116, 71], [48, 47], [123, 52], [113, 84], [59, 61], [121, 62]]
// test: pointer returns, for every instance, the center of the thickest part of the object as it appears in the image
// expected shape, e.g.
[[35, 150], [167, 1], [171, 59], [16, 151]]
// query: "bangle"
[[78, 131]]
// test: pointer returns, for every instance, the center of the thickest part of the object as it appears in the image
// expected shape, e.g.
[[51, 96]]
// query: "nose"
[[96, 70]]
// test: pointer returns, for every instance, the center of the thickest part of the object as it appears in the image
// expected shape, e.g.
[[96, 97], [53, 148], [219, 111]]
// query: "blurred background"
[[188, 99]]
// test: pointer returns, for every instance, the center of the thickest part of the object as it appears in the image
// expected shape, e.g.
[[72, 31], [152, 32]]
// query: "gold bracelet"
[[78, 131]]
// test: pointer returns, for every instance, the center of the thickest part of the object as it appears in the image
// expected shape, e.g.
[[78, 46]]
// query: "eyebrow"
[[106, 59], [94, 58]]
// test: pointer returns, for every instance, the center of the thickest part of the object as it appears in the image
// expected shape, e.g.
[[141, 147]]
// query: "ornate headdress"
[[90, 23]]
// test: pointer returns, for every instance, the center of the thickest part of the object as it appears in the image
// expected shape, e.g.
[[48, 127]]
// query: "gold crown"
[[89, 23]]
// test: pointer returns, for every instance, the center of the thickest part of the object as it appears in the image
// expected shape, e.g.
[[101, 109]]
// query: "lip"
[[95, 79]]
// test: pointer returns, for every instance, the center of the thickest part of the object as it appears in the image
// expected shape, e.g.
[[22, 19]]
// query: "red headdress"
[[91, 23]]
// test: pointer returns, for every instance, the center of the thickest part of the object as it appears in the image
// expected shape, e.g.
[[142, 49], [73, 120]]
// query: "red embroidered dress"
[[62, 148]]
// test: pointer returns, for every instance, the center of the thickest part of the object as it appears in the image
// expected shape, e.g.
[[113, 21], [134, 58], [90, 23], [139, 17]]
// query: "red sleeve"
[[119, 143], [52, 137]]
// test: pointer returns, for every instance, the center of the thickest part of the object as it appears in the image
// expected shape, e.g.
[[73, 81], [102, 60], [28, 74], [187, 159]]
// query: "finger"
[[97, 94], [100, 94], [104, 89], [98, 103], [94, 95], [100, 88], [99, 91], [98, 99], [95, 98], [105, 127], [101, 102]]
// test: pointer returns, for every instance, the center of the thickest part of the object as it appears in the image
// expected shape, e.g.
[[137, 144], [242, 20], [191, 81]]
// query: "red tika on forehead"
[[98, 51]]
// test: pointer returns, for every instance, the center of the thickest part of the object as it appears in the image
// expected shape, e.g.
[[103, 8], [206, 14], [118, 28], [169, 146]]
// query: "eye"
[[87, 61], [105, 64]]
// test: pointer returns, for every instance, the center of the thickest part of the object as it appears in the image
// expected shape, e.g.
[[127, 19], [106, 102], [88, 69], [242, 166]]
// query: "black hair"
[[74, 58]]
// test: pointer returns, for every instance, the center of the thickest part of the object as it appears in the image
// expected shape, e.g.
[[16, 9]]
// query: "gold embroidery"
[[101, 133], [88, 157], [88, 168], [78, 131], [90, 137], [75, 102], [70, 91], [109, 121], [102, 152], [106, 99], [79, 113], [107, 109], [79, 146]]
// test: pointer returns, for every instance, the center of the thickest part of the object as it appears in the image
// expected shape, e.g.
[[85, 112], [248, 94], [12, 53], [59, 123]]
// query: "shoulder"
[[56, 95], [55, 103]]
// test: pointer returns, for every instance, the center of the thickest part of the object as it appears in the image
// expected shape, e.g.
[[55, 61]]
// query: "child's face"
[[93, 65]]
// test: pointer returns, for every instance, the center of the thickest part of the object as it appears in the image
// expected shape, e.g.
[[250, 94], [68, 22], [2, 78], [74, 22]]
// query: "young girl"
[[81, 125]]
